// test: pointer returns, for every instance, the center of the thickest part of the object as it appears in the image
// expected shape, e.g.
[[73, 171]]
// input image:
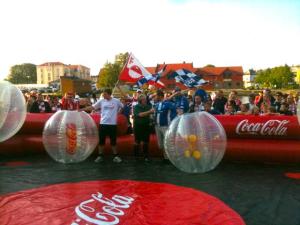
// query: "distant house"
[[296, 71], [248, 78], [222, 77], [218, 77], [51, 71]]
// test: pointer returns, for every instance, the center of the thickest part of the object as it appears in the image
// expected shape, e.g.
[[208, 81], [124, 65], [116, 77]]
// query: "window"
[[227, 74]]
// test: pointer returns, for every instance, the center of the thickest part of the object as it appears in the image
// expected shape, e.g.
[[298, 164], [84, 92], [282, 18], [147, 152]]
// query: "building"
[[50, 71], [296, 71], [222, 77], [248, 78], [218, 77], [94, 78]]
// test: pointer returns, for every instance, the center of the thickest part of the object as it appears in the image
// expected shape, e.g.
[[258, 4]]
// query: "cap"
[[139, 90]]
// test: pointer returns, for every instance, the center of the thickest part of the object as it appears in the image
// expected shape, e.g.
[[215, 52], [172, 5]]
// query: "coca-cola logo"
[[267, 128], [71, 134], [114, 203], [106, 212]]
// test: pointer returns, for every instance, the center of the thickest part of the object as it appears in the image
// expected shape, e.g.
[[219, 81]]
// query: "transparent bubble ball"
[[298, 111], [70, 136], [195, 142], [12, 110]]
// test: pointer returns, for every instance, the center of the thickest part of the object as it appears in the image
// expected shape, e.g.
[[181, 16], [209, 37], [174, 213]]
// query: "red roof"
[[219, 70], [175, 66], [151, 69], [51, 63], [76, 66]]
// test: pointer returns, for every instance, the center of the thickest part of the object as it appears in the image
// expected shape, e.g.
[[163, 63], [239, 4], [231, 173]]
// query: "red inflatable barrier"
[[258, 127], [249, 138], [285, 151], [34, 123]]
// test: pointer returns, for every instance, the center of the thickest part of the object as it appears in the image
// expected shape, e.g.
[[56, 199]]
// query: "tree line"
[[277, 77]]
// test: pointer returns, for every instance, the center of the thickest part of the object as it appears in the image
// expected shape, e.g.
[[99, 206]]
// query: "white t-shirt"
[[108, 110]]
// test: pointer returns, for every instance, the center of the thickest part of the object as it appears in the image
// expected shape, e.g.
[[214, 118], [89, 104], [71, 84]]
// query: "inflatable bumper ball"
[[195, 142], [70, 136], [12, 110]]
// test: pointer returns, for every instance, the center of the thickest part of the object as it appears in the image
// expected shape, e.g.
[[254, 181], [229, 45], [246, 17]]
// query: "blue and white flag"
[[188, 78], [152, 79]]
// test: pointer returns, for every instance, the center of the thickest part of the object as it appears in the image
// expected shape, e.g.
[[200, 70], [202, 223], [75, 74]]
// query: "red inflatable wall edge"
[[272, 138]]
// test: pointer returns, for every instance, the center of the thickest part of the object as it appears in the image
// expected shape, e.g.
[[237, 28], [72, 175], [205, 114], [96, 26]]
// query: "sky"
[[250, 33]]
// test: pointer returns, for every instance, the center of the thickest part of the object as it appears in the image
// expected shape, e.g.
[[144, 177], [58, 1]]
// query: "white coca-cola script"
[[270, 128], [107, 211]]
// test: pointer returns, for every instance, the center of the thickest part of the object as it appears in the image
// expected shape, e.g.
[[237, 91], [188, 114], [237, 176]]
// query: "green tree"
[[263, 77], [277, 77], [109, 74], [282, 77], [23, 74]]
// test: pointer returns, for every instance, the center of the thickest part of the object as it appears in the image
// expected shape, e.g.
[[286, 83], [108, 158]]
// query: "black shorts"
[[141, 133], [108, 130]]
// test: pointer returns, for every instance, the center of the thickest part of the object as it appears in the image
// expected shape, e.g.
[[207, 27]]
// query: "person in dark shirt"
[[219, 102], [208, 108], [141, 125], [40, 106]]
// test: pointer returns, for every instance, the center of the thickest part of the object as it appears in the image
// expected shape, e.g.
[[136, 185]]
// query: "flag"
[[135, 72], [188, 78], [152, 79]]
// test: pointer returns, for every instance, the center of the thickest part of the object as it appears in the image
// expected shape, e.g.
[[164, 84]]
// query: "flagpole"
[[117, 83]]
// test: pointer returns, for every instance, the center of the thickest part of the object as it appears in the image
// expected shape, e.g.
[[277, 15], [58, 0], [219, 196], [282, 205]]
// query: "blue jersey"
[[165, 112], [181, 102]]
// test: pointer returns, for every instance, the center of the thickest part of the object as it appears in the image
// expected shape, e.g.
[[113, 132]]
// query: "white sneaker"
[[117, 159], [100, 158]]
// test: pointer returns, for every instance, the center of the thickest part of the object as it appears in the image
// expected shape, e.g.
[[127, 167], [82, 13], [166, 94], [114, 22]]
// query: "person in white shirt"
[[109, 108]]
